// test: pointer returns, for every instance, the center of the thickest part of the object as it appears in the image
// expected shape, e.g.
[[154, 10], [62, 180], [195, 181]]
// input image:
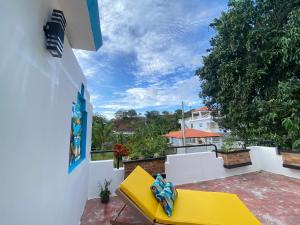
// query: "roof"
[[204, 108], [192, 133], [83, 23]]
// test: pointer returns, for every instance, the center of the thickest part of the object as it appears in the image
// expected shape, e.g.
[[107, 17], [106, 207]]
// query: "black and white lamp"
[[55, 33]]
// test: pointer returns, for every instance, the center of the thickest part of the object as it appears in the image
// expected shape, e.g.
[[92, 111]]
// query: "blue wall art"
[[78, 132]]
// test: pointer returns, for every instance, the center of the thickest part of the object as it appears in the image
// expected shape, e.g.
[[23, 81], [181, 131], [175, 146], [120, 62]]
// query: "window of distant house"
[[196, 114], [205, 114], [191, 125], [78, 132], [200, 125], [215, 139], [212, 125], [190, 140]]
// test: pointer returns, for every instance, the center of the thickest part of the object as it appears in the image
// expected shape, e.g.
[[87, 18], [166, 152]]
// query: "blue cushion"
[[167, 198], [158, 185]]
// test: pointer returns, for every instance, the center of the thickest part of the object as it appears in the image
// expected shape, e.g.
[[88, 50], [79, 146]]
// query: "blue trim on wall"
[[80, 97], [95, 22]]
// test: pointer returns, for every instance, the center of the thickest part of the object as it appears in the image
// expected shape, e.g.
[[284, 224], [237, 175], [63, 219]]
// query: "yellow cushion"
[[207, 208], [137, 187]]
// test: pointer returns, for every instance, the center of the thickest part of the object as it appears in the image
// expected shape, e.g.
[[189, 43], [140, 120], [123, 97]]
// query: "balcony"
[[269, 190]]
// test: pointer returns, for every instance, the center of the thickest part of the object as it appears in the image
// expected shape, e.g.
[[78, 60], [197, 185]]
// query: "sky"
[[151, 49]]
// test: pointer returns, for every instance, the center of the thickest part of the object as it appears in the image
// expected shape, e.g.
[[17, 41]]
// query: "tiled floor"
[[274, 199]]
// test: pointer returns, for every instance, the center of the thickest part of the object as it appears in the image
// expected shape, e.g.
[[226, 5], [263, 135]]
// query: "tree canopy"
[[120, 114], [101, 131], [253, 65]]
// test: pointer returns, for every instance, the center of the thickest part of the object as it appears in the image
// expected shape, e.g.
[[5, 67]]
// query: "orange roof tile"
[[192, 133], [204, 108]]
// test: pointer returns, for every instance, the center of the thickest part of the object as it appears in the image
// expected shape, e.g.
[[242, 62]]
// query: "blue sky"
[[150, 51]]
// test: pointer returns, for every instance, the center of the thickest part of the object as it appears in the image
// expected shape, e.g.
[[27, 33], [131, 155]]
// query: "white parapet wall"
[[101, 170], [272, 162], [191, 168], [202, 166]]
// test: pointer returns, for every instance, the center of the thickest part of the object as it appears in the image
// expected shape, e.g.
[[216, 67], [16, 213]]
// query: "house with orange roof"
[[200, 128]]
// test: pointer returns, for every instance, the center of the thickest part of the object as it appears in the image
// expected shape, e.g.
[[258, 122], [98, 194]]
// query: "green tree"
[[147, 142], [131, 113], [120, 114], [101, 131], [152, 114], [254, 52]]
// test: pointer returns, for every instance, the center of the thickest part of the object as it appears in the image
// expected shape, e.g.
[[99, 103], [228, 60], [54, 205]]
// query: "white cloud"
[[154, 31], [167, 95], [94, 98]]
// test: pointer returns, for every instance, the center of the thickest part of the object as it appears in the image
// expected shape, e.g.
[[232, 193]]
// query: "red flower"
[[120, 150]]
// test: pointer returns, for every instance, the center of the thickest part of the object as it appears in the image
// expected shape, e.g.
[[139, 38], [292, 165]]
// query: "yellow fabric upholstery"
[[207, 208], [137, 187], [191, 207]]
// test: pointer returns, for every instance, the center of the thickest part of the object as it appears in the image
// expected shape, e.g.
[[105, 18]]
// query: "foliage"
[[104, 190], [284, 111], [147, 142], [120, 150], [120, 138], [120, 114], [228, 143], [162, 123], [252, 64], [231, 143], [147, 139], [101, 131]]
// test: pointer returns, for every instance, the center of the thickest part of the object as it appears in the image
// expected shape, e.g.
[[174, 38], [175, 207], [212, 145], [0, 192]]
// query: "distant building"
[[200, 128], [202, 119], [194, 137]]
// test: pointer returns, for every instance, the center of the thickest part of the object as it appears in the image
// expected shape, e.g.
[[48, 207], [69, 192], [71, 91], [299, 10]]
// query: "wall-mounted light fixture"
[[55, 33]]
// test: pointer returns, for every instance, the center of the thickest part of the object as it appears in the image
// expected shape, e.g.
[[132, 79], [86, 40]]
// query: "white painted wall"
[[101, 170], [196, 167], [36, 95], [192, 167], [272, 162]]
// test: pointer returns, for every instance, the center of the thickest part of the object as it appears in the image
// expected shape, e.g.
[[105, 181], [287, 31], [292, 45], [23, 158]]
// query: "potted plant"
[[234, 154], [291, 142], [104, 191], [146, 149]]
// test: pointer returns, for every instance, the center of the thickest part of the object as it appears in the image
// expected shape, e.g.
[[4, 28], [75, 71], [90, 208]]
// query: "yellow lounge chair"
[[190, 208]]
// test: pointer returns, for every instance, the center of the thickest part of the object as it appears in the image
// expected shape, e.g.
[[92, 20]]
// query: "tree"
[[165, 113], [101, 131], [152, 114], [120, 114], [255, 50], [131, 113], [147, 142]]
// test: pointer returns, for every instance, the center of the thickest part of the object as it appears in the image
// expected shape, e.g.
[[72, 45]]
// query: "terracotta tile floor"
[[274, 199]]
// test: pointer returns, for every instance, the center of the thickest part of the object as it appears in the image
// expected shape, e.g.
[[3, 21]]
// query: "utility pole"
[[183, 124]]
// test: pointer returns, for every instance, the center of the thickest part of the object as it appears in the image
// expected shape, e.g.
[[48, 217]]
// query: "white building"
[[202, 120]]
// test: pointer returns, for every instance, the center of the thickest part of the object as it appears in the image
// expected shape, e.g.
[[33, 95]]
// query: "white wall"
[[101, 170], [196, 167], [36, 95], [272, 162]]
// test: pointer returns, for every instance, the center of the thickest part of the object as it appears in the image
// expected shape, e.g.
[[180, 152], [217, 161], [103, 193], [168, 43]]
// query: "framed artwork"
[[78, 132]]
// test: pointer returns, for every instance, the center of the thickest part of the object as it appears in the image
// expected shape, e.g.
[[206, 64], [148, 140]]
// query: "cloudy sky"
[[150, 51]]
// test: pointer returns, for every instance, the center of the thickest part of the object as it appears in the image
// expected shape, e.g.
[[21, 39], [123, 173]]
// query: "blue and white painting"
[[76, 131], [77, 136]]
